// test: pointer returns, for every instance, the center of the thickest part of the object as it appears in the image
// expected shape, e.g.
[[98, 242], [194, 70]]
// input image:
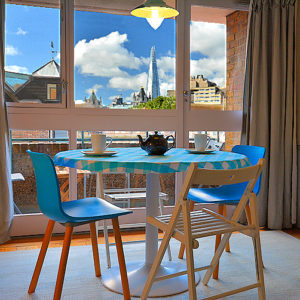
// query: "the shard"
[[152, 88]]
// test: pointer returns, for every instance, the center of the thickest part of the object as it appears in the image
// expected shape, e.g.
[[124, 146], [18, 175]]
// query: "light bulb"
[[155, 21]]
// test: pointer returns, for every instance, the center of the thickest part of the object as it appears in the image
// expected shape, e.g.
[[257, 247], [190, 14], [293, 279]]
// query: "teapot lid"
[[156, 133]]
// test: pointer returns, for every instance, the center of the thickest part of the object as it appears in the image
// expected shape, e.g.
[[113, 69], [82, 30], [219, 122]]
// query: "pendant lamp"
[[155, 11]]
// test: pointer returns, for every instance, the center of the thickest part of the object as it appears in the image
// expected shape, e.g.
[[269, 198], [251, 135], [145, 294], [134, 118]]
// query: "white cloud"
[[208, 39], [11, 50], [21, 31], [57, 57], [128, 82], [165, 86], [129, 98], [17, 69], [94, 88], [166, 64], [145, 60], [211, 68], [105, 56], [166, 72]]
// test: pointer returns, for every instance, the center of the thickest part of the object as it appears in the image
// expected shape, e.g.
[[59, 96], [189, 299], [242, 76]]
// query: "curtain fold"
[[6, 198], [269, 116]]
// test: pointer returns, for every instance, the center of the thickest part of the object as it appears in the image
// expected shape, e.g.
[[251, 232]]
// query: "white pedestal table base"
[[138, 273]]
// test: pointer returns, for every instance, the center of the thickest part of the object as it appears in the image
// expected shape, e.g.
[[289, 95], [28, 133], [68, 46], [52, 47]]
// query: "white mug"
[[99, 142], [201, 140]]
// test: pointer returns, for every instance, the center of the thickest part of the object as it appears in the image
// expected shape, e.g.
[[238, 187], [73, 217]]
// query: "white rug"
[[281, 256]]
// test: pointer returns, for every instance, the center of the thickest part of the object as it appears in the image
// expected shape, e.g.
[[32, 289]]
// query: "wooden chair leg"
[[249, 218], [248, 214], [189, 251], [161, 251], [216, 257], [257, 249], [95, 249], [227, 248], [122, 265], [42, 254], [217, 243], [182, 246], [161, 206], [63, 263]]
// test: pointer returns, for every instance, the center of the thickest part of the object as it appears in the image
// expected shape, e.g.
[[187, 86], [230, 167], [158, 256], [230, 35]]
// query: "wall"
[[236, 32], [236, 26]]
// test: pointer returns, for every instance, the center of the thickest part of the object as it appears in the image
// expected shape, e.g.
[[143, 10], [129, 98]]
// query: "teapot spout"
[[141, 142]]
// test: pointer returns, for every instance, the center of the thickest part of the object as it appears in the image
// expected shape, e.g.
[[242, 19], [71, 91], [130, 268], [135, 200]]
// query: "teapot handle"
[[173, 141]]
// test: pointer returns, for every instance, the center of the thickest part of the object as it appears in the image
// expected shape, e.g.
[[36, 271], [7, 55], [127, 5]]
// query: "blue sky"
[[111, 51]]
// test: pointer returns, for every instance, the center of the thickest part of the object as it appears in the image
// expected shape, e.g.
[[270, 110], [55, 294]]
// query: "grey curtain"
[[6, 201], [269, 117]]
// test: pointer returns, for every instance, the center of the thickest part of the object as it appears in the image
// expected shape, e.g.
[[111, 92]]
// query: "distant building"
[[93, 100], [152, 87], [206, 92], [171, 93], [118, 103], [140, 97], [42, 86]]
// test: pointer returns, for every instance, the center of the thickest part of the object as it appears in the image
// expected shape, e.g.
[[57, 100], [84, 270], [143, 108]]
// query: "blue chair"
[[226, 194], [71, 214]]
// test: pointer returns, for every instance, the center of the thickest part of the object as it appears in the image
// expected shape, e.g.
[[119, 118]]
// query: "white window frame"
[[67, 117]]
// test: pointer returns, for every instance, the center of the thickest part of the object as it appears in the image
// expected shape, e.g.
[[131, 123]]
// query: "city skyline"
[[111, 51]]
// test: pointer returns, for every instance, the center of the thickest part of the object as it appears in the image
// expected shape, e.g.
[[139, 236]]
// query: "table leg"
[[152, 209], [138, 271]]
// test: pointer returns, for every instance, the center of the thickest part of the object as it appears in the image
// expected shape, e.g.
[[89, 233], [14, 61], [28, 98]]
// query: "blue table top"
[[136, 160]]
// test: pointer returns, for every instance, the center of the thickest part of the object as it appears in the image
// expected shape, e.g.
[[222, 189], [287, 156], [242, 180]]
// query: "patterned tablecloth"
[[136, 160]]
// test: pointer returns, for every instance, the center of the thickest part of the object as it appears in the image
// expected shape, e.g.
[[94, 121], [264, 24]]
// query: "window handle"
[[186, 93], [64, 85]]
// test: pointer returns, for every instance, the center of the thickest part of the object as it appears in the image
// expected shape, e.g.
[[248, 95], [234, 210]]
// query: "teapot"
[[156, 144]]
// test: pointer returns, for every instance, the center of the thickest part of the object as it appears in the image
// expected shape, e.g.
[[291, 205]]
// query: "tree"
[[161, 102]]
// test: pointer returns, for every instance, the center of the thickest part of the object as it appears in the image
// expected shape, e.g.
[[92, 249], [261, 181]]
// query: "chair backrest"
[[198, 176], [254, 154], [48, 192]]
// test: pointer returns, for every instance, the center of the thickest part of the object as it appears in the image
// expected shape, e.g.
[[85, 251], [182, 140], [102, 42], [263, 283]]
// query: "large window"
[[32, 55], [122, 63], [108, 71]]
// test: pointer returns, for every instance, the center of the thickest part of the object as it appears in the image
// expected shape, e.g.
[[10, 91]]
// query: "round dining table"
[[136, 160]]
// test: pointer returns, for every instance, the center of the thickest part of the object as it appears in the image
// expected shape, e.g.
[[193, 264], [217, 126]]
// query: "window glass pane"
[[217, 58], [122, 183], [32, 54], [123, 63], [46, 141]]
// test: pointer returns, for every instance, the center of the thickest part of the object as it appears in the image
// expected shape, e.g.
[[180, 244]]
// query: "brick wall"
[[27, 134], [236, 26]]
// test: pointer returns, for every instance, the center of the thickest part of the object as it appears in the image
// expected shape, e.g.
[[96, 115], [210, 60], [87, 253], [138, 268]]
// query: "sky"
[[111, 51]]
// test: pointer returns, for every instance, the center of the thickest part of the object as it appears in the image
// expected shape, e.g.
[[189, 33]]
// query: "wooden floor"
[[26, 243]]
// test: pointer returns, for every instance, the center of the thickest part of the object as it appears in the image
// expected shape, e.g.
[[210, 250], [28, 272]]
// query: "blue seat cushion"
[[226, 194], [93, 208]]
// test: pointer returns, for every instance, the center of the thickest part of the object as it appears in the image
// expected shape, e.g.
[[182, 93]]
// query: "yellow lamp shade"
[[162, 10]]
